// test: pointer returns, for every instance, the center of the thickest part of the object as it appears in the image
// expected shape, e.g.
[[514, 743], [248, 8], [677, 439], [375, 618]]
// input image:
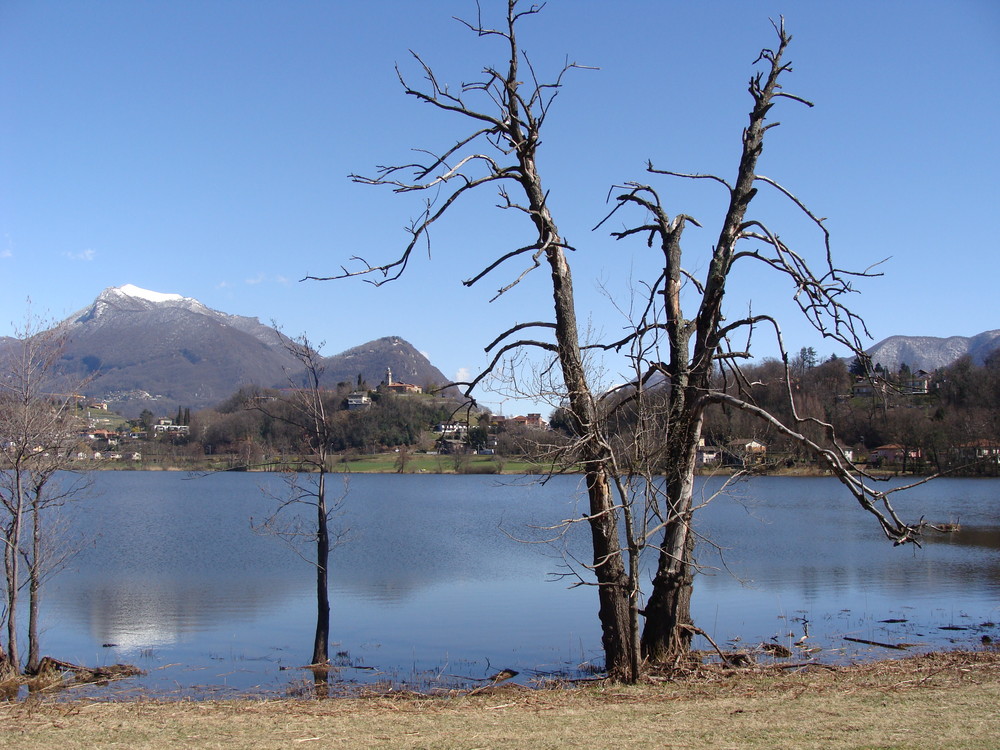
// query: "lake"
[[435, 579]]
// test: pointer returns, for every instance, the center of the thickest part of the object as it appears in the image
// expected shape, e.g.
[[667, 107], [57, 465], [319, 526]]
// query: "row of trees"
[[959, 410]]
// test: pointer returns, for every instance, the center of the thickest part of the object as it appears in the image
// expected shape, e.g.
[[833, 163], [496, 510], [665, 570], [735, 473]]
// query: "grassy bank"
[[421, 463], [933, 701], [378, 463], [389, 463]]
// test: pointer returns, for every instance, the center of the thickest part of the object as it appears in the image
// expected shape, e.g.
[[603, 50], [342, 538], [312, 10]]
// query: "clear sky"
[[203, 148]]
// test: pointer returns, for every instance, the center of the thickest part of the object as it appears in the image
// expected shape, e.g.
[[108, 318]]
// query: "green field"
[[422, 463], [379, 463]]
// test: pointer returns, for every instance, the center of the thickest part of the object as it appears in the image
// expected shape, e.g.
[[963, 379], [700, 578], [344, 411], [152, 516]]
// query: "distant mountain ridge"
[[930, 353], [149, 350]]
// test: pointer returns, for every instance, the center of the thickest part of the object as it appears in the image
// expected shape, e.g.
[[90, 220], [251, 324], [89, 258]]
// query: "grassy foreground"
[[949, 700]]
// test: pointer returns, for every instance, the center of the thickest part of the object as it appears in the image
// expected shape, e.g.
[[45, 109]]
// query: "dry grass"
[[935, 701]]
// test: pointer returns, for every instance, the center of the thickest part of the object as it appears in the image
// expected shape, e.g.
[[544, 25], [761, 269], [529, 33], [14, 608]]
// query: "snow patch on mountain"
[[131, 290]]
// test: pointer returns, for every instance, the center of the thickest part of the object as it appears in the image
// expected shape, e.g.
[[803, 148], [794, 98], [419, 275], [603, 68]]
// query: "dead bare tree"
[[695, 345], [509, 128], [304, 407], [628, 506], [36, 430]]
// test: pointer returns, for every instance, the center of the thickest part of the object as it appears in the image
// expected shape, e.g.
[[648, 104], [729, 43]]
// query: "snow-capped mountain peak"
[[131, 290], [130, 297]]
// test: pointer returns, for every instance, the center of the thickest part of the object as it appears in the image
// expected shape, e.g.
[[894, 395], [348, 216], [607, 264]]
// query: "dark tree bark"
[[321, 643], [700, 344], [34, 585], [12, 568]]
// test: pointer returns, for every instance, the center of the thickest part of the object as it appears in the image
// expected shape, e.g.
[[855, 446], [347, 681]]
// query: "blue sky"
[[203, 148]]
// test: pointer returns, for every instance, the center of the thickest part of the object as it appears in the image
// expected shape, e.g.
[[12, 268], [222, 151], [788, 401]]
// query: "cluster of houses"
[[749, 452], [914, 384], [114, 450], [742, 452], [114, 440], [737, 452], [974, 451], [531, 420], [452, 435]]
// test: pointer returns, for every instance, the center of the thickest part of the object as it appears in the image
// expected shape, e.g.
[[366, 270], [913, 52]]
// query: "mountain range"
[[138, 349], [930, 352]]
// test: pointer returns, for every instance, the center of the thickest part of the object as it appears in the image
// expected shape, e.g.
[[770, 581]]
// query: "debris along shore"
[[54, 675], [945, 699]]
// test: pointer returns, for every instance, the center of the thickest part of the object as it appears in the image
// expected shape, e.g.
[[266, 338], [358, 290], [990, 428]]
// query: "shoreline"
[[940, 699], [479, 465]]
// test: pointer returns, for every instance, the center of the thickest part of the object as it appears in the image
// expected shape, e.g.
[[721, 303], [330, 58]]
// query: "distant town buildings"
[[168, 426], [358, 400], [531, 420], [391, 386]]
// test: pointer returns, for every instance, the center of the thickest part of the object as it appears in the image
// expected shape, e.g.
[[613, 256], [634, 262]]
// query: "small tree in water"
[[637, 445], [305, 408]]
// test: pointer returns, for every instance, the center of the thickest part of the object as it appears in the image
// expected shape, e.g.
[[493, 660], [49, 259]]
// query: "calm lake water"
[[434, 581]]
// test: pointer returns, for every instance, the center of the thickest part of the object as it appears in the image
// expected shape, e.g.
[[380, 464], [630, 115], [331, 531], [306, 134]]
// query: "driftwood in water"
[[502, 676], [899, 646], [88, 674]]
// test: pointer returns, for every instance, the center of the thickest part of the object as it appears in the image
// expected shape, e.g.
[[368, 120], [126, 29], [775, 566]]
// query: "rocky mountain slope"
[[929, 352], [369, 361], [139, 349]]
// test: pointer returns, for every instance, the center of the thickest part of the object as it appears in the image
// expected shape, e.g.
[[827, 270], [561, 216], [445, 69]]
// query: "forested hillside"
[[948, 420], [945, 420]]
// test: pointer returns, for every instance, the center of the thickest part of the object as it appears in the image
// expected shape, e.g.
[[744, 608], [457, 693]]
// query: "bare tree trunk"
[[668, 611], [665, 636], [613, 583], [34, 585], [614, 586], [508, 130], [34, 426], [34, 590], [514, 130], [306, 410], [321, 644], [12, 568]]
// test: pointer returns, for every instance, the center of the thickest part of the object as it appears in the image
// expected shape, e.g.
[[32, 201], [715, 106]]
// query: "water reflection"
[[432, 575], [150, 611], [972, 536]]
